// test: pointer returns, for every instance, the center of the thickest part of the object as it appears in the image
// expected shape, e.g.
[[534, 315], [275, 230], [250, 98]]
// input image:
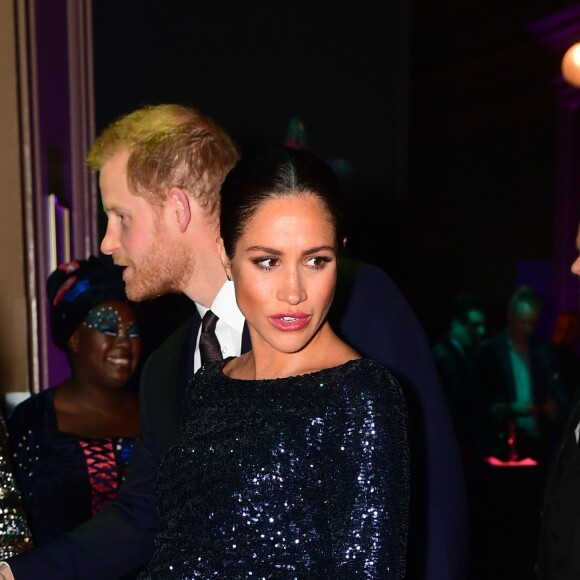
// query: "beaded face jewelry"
[[107, 321]]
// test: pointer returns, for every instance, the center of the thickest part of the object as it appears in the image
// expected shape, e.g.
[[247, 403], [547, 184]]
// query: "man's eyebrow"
[[114, 207]]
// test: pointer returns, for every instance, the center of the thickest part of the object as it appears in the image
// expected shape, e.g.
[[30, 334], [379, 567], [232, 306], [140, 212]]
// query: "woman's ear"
[[181, 207], [73, 342], [224, 258]]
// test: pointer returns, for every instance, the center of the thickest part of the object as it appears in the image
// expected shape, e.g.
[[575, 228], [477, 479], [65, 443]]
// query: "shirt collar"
[[457, 345], [225, 307]]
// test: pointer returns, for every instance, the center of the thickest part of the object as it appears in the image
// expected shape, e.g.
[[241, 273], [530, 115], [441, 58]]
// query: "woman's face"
[[284, 269], [107, 345]]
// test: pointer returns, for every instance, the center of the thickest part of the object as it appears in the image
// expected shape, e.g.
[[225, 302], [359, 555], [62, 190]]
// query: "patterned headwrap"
[[76, 287]]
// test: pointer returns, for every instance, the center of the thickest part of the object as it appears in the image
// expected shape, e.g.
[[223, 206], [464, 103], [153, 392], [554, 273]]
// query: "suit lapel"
[[188, 349], [186, 359]]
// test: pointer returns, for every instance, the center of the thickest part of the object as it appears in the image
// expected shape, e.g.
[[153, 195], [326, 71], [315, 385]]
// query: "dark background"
[[483, 129], [446, 115]]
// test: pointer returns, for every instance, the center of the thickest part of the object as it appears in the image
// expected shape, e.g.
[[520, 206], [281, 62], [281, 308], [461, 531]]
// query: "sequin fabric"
[[301, 477], [15, 536], [62, 475]]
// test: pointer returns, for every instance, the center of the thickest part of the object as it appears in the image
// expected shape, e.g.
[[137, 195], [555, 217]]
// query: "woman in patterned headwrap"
[[71, 443]]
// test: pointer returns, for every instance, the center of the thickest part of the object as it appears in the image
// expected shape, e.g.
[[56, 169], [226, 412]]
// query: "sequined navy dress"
[[301, 477]]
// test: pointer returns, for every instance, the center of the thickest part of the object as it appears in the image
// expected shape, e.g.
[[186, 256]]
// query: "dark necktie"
[[209, 346]]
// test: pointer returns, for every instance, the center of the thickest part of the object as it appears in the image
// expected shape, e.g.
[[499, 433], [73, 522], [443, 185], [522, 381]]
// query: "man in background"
[[453, 356], [519, 376], [454, 359], [524, 404]]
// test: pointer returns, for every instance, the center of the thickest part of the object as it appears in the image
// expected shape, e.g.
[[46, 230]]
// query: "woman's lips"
[[290, 322]]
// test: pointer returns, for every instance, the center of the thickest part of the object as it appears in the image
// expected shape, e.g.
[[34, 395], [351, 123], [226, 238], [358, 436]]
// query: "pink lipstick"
[[290, 322]]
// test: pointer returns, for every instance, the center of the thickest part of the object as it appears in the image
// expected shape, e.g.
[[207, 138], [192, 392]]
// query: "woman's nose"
[[292, 289]]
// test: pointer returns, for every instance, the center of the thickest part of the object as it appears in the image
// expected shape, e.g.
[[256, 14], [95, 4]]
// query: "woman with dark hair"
[[71, 443], [293, 459]]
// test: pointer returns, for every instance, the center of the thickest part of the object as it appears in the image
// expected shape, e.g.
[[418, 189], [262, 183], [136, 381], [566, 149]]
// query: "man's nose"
[[109, 242]]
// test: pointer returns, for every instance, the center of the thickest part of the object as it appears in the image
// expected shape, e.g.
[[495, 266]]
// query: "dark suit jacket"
[[370, 312], [559, 553], [457, 373]]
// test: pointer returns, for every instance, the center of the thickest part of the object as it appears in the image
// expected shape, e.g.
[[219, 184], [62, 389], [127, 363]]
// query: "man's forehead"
[[476, 316], [115, 165], [526, 310]]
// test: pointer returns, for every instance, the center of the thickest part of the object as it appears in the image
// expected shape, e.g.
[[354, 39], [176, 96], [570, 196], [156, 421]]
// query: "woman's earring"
[[226, 270]]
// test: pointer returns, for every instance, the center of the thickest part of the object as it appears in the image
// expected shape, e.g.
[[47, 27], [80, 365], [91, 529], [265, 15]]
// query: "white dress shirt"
[[229, 327]]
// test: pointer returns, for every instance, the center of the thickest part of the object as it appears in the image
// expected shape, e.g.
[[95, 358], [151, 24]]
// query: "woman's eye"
[[109, 331], [318, 262], [134, 330], [265, 263]]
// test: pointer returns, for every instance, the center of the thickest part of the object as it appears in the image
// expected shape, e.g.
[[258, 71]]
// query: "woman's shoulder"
[[372, 378], [31, 413], [367, 390], [375, 371]]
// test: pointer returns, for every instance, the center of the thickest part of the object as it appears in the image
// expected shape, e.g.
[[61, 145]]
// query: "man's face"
[[522, 322], [139, 237], [475, 327], [469, 332], [576, 263]]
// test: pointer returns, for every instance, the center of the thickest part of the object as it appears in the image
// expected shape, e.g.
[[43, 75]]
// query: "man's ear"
[[224, 257], [181, 206]]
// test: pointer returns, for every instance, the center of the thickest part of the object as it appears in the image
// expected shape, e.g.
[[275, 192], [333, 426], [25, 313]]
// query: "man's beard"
[[165, 269]]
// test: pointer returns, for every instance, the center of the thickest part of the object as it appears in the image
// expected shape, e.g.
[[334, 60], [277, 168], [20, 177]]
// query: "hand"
[[5, 572]]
